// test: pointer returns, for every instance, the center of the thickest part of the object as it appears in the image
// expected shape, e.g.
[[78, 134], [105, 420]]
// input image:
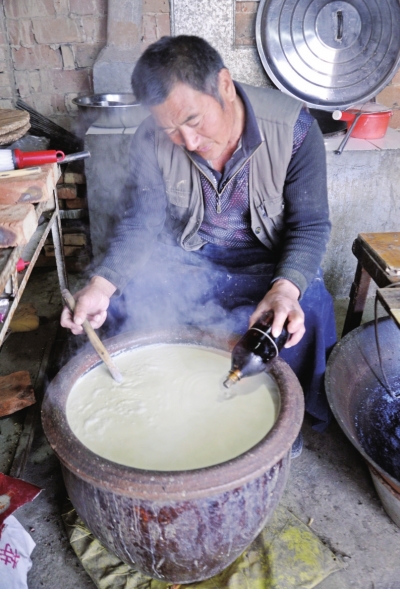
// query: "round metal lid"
[[329, 53]]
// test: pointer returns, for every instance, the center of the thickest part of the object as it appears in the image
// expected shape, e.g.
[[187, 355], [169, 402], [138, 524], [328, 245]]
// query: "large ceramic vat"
[[181, 526], [365, 411]]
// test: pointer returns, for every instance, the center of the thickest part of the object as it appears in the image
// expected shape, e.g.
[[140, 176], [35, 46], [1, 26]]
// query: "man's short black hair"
[[187, 59]]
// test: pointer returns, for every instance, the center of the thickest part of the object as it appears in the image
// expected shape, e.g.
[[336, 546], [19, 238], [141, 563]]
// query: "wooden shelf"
[[13, 283]]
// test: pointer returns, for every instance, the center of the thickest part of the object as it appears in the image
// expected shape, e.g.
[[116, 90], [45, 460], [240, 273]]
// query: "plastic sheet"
[[16, 546], [286, 555], [14, 493]]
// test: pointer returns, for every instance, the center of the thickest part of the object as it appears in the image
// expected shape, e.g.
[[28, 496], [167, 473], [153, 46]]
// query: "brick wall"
[[53, 45], [48, 48], [390, 96], [245, 35], [156, 21], [245, 22], [7, 87]]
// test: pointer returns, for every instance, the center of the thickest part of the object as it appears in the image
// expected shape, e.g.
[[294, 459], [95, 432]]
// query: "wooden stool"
[[378, 256]]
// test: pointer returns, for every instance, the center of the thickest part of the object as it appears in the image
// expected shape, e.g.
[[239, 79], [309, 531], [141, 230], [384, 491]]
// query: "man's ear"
[[226, 86]]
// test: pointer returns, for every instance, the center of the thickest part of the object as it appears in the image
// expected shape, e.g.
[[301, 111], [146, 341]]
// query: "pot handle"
[[341, 147], [338, 115]]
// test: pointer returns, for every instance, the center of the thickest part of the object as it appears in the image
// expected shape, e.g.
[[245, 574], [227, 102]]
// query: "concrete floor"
[[329, 483]]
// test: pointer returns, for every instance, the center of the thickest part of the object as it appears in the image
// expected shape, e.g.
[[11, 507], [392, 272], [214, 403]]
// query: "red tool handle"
[[27, 159], [21, 264]]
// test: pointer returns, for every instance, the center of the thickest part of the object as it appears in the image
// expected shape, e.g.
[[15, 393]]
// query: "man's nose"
[[190, 138]]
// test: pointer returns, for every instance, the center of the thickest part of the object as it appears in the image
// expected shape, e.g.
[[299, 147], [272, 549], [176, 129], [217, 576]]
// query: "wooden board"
[[17, 224], [24, 319], [34, 188], [385, 249], [16, 392], [12, 119]]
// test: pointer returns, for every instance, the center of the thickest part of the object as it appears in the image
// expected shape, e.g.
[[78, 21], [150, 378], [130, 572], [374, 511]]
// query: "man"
[[225, 213]]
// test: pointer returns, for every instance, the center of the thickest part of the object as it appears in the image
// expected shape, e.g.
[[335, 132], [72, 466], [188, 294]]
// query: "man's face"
[[198, 121]]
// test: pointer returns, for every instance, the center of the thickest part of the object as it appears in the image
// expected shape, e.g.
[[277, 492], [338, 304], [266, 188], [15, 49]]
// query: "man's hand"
[[91, 303], [283, 300]]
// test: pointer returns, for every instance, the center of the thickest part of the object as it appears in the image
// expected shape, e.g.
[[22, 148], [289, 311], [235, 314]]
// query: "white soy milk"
[[169, 412]]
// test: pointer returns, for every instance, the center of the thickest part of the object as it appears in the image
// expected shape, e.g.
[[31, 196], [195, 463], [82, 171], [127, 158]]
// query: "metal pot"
[[110, 110], [353, 374], [180, 527], [329, 53], [371, 124]]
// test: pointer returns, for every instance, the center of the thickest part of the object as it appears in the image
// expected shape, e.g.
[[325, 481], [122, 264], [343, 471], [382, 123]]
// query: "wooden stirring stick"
[[93, 338]]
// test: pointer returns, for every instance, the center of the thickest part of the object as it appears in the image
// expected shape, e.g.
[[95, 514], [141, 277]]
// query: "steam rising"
[[168, 294], [174, 287]]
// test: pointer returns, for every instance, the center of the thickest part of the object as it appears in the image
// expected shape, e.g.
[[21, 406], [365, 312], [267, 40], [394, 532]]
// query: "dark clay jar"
[[183, 526]]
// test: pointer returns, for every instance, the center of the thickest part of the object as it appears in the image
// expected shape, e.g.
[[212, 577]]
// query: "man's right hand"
[[91, 304]]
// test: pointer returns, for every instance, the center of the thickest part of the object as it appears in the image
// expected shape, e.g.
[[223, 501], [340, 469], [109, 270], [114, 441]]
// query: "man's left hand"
[[283, 300]]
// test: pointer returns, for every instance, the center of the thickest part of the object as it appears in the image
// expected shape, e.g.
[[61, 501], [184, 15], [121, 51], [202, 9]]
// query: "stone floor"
[[329, 486]]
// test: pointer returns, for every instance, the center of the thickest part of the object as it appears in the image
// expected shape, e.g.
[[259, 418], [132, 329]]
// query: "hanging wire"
[[386, 382]]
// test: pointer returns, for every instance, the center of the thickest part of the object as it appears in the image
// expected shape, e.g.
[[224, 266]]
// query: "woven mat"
[[12, 119], [8, 138], [286, 555]]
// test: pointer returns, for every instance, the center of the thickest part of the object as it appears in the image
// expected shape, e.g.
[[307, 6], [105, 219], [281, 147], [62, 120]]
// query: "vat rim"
[[157, 485], [339, 349]]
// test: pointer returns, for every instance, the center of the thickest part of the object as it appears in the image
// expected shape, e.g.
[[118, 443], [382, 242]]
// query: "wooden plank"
[[32, 415], [385, 248], [25, 318], [23, 172], [32, 189], [17, 224], [16, 392]]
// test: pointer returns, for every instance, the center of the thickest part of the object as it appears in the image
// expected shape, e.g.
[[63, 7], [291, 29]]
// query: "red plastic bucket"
[[370, 125]]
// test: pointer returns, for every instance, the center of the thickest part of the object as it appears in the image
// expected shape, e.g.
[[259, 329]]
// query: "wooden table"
[[378, 256]]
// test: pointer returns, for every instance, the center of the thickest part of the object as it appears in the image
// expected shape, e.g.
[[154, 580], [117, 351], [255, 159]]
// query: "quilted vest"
[[276, 115]]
